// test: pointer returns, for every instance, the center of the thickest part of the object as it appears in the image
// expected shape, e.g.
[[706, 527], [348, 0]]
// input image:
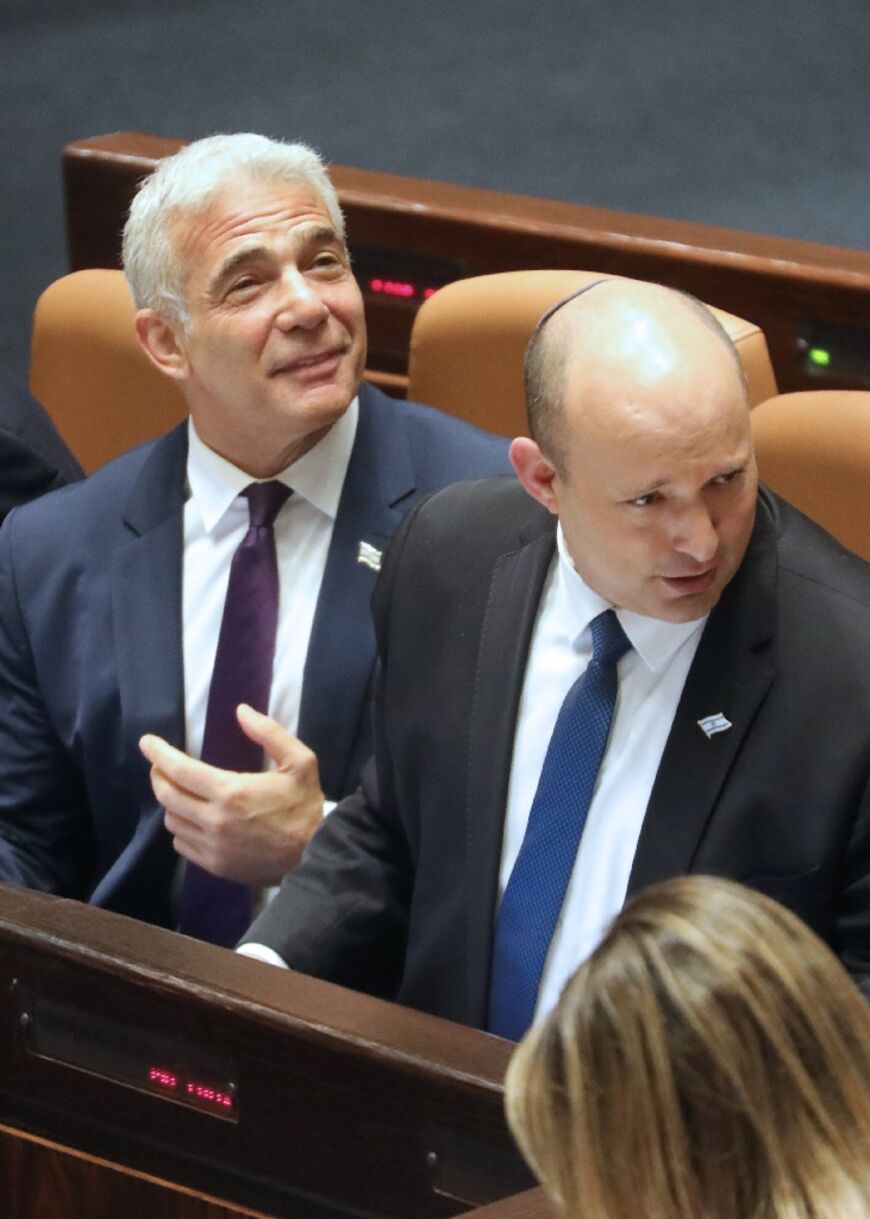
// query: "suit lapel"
[[515, 592], [731, 674], [146, 620], [146, 592], [379, 483]]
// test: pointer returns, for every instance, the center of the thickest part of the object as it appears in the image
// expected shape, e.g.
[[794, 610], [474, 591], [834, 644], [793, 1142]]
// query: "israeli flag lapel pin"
[[369, 556], [711, 724]]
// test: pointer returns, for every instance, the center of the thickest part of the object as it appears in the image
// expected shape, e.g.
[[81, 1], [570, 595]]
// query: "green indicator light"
[[819, 356]]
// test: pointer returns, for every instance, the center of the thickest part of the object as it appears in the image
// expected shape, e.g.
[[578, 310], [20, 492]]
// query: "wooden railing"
[[137, 1064], [409, 235]]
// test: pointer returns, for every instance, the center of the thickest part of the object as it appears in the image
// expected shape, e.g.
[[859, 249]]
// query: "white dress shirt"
[[216, 519], [651, 679]]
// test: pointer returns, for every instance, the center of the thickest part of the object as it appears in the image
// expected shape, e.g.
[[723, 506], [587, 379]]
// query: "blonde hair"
[[186, 183], [711, 1060]]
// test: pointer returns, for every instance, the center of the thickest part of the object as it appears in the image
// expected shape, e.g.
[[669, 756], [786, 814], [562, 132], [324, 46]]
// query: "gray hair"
[[187, 183]]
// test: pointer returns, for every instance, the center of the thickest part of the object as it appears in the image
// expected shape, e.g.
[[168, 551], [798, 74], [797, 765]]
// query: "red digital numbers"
[[166, 1079], [207, 1096], [392, 287], [399, 288]]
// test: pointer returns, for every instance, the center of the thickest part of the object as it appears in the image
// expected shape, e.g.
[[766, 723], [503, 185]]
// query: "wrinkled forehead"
[[234, 225], [246, 203]]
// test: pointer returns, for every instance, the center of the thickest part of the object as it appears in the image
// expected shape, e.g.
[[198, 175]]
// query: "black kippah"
[[545, 317]]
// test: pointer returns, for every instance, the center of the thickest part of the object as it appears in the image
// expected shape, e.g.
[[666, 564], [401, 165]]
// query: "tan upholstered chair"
[[90, 374], [814, 449], [466, 357], [469, 339]]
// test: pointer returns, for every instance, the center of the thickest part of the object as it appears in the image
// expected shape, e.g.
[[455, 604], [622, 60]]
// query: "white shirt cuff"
[[260, 952]]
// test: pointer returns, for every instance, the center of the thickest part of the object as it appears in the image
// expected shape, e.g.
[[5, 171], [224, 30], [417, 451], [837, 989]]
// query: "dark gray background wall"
[[752, 115]]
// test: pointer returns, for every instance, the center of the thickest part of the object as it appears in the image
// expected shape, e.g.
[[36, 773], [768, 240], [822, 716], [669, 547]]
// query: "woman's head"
[[711, 1058]]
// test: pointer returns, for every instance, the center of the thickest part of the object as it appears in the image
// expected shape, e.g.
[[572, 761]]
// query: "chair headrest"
[[90, 374], [469, 340]]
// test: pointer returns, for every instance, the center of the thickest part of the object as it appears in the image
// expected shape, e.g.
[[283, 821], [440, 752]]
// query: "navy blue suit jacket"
[[91, 649], [33, 458]]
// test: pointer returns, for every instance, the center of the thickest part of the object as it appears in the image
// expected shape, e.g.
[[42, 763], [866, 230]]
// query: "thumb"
[[281, 746]]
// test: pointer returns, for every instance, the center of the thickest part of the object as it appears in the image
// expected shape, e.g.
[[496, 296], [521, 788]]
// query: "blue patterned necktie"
[[213, 908], [536, 888]]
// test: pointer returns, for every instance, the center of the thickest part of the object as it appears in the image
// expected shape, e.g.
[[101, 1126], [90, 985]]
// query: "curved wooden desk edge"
[[531, 1204], [173, 964], [363, 188]]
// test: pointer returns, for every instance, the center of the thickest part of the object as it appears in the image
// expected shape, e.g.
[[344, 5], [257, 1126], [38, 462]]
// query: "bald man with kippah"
[[634, 663]]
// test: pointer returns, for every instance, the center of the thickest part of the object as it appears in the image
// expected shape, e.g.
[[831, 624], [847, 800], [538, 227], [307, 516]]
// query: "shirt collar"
[[318, 475], [654, 640]]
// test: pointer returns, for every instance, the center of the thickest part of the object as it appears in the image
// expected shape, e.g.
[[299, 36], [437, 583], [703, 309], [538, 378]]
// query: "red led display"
[[165, 1078], [403, 289], [205, 1095], [209, 1094]]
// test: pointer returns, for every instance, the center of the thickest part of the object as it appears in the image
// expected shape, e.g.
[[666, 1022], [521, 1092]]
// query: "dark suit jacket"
[[397, 891], [33, 458], [91, 649]]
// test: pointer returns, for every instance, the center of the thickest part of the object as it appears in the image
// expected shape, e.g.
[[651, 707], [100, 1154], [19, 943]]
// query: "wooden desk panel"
[[345, 1106], [778, 283], [42, 1180], [530, 1204]]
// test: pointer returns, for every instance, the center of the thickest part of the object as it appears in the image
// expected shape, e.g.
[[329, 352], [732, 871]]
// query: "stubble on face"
[[657, 487], [275, 343]]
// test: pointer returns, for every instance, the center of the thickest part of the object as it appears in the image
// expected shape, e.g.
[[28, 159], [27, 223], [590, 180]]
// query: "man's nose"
[[300, 305], [695, 534]]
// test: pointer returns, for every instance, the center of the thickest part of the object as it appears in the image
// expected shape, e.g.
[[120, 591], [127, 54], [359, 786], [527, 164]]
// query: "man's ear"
[[535, 472], [161, 343]]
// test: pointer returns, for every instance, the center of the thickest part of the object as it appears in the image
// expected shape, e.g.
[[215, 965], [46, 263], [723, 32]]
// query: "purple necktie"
[[212, 908]]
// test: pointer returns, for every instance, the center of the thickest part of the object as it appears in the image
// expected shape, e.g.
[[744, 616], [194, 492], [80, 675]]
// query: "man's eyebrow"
[[247, 254], [648, 489], [735, 467], [320, 232], [738, 467], [316, 234]]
